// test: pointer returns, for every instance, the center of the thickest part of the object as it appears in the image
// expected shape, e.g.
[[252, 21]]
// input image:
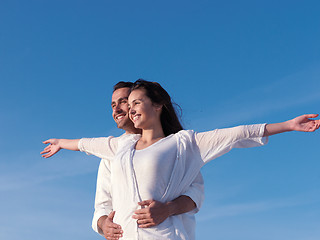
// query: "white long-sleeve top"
[[103, 198], [189, 152]]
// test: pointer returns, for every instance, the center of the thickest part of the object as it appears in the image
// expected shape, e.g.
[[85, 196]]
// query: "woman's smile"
[[142, 112]]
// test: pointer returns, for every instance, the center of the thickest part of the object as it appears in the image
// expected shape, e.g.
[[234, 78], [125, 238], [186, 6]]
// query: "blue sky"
[[224, 62]]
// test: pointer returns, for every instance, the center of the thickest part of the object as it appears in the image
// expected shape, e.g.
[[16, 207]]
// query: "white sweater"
[[189, 151]]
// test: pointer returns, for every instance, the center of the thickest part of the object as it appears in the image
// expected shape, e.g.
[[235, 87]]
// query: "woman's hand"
[[52, 148], [304, 123], [57, 144]]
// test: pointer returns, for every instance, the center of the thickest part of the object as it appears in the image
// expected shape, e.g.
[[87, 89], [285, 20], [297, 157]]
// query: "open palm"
[[305, 124], [51, 149]]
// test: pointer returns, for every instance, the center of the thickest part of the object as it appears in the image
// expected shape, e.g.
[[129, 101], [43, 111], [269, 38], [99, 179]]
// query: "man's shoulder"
[[114, 140], [128, 137]]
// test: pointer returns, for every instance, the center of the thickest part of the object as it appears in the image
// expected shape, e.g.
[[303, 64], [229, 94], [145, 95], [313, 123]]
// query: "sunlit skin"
[[302, 123], [120, 110], [145, 115]]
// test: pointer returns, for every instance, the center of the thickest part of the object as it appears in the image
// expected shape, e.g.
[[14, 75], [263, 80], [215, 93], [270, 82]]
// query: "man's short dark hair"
[[122, 84]]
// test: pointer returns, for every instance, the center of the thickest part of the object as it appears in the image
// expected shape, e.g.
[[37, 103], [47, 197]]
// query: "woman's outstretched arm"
[[302, 123], [57, 144]]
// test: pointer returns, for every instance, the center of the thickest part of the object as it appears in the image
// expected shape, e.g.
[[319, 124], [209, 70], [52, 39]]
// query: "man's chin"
[[121, 124]]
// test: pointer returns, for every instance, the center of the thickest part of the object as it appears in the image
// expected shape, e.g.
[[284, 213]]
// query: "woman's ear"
[[158, 107]]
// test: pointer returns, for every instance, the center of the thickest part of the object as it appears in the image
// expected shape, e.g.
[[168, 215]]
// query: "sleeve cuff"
[[264, 140], [80, 145]]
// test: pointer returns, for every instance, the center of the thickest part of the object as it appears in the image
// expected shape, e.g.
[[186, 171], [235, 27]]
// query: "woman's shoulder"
[[185, 134]]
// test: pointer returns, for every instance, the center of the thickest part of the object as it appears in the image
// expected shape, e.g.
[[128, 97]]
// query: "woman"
[[164, 160]]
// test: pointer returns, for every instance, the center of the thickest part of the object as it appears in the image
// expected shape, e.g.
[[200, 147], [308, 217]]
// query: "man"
[[152, 212]]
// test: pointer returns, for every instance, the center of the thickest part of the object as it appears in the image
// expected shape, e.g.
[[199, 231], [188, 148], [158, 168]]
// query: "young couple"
[[152, 174]]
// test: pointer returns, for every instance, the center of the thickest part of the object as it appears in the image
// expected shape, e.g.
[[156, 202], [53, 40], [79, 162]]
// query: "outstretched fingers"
[[47, 148], [305, 123], [47, 155], [45, 151], [48, 141], [312, 125], [311, 115], [315, 125]]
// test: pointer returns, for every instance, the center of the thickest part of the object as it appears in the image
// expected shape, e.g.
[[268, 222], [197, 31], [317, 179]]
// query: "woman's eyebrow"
[[138, 99]]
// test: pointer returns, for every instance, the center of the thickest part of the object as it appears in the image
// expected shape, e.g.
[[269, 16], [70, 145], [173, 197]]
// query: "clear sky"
[[224, 62]]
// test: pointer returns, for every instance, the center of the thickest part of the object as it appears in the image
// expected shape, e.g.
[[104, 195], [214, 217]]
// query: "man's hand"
[[152, 213], [111, 230]]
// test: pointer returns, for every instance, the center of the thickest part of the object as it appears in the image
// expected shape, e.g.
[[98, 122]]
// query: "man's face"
[[119, 104]]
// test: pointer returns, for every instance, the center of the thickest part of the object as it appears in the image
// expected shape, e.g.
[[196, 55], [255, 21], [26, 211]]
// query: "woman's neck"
[[149, 137]]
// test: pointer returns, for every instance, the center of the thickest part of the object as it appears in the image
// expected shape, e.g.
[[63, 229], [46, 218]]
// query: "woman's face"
[[143, 113]]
